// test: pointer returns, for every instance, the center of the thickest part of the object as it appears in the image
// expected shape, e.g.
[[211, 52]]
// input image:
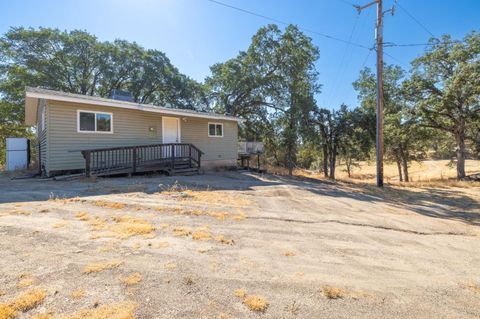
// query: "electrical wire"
[[416, 20], [327, 36]]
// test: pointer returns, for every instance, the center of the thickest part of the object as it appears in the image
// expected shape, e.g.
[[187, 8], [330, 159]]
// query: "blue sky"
[[197, 33]]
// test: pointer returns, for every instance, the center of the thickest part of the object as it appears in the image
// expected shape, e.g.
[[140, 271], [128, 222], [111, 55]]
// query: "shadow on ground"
[[448, 203]]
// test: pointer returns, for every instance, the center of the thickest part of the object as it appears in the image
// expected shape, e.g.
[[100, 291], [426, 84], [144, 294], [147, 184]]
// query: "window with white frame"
[[215, 129], [94, 122]]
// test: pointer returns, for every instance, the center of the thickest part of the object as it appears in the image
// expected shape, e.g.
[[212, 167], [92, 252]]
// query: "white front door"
[[171, 129]]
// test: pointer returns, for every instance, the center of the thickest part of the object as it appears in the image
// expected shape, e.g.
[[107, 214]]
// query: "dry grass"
[[223, 198], [430, 173], [473, 287], [333, 292], [108, 204], [29, 300], [59, 225], [240, 216], [188, 280], [242, 293], [132, 279], [26, 280], [121, 227], [293, 308], [2, 293], [170, 265], [221, 239], [98, 267], [7, 311], [78, 293], [122, 310], [288, 253], [163, 244], [83, 216], [256, 303], [182, 231]]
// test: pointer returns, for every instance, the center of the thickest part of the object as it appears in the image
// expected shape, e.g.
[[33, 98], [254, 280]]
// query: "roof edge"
[[39, 93]]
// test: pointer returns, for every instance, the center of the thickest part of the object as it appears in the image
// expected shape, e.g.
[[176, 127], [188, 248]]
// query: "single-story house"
[[68, 124]]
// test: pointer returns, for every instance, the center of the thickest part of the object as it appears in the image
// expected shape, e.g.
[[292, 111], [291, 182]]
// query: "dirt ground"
[[207, 246]]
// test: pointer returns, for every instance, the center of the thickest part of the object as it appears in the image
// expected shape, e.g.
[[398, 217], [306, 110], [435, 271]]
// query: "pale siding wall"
[[42, 133], [130, 127]]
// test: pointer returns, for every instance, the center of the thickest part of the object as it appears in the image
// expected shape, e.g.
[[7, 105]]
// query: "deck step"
[[185, 171]]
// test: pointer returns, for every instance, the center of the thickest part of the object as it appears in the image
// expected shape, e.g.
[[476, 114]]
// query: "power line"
[[416, 20], [286, 23]]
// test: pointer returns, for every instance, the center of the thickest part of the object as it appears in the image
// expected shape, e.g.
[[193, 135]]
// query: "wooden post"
[[86, 155], [172, 155], [190, 156], [258, 161], [134, 159]]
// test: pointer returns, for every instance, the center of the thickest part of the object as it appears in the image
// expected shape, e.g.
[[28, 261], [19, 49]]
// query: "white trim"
[[43, 116], [179, 130], [215, 123], [95, 122], [126, 105]]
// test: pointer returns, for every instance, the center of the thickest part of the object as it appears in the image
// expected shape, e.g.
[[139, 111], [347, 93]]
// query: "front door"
[[171, 130], [170, 134]]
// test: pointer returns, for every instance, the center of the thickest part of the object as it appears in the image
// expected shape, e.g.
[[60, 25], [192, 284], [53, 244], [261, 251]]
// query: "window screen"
[[87, 121]]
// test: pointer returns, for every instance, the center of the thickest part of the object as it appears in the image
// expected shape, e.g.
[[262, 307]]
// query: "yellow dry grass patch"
[[83, 216], [47, 315], [223, 240], [98, 267], [240, 293], [29, 300], [59, 225], [170, 265], [121, 310], [2, 293], [222, 198], [7, 311], [256, 303], [182, 231], [333, 292], [240, 216], [108, 204], [121, 227], [473, 287], [288, 253], [132, 279], [78, 293]]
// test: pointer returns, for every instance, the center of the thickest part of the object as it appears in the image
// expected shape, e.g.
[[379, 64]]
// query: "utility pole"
[[379, 38]]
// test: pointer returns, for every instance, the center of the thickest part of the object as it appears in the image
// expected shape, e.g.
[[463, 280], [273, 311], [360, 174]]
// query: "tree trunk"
[[325, 160], [404, 157], [399, 167], [333, 158], [348, 163], [460, 137]]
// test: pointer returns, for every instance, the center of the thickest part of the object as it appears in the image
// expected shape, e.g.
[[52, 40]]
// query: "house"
[[102, 136]]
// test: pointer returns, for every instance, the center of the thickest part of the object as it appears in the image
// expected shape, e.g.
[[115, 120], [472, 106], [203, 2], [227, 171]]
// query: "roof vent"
[[121, 95]]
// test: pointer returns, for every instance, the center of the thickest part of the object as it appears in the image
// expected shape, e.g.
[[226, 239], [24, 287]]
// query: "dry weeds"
[[170, 265], [256, 303], [333, 292], [59, 225], [45, 315], [121, 310], [163, 244], [97, 267], [240, 293], [78, 293], [7, 311], [26, 280], [83, 216], [108, 204], [132, 279], [288, 253], [473, 287], [29, 300]]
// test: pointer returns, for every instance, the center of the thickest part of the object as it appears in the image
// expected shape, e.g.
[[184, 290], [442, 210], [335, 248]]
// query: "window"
[[215, 129], [94, 122]]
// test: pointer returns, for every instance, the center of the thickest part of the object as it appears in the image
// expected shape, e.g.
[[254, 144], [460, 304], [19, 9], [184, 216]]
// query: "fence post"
[[134, 159], [86, 155], [190, 156], [172, 155]]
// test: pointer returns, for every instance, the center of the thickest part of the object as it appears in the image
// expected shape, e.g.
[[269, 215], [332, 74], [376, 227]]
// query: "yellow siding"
[[130, 127]]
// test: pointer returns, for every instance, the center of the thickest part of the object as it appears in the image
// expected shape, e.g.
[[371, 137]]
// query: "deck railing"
[[132, 159]]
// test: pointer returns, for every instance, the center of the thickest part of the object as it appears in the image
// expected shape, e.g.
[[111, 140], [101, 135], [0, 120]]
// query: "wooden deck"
[[174, 158]]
